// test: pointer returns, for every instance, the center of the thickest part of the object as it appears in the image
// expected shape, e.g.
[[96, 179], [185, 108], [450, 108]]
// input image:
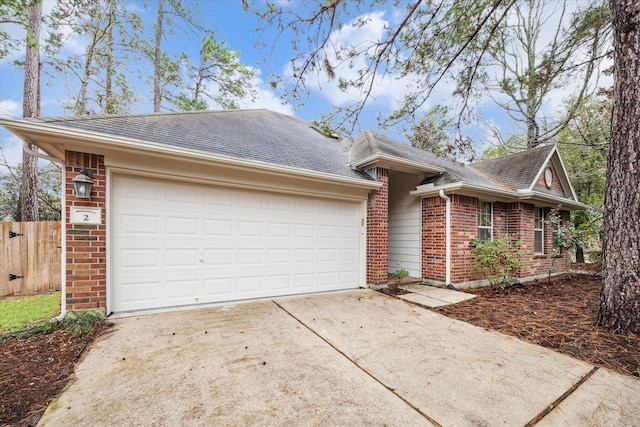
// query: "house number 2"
[[83, 215]]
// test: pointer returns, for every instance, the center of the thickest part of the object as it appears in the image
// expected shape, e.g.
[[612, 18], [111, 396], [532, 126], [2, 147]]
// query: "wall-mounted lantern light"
[[82, 184]]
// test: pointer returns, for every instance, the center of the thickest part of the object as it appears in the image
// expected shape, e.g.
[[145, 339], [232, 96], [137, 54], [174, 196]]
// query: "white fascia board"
[[429, 190], [81, 137], [381, 157], [566, 176], [550, 198]]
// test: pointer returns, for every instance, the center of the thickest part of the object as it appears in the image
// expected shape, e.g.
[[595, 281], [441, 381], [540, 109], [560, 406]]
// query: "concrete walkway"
[[433, 297], [343, 358]]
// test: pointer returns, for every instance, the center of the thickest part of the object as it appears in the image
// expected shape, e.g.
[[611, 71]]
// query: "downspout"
[[25, 147], [63, 237], [448, 238]]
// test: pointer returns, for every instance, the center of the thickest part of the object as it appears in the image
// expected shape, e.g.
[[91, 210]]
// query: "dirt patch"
[[394, 290], [560, 315], [33, 371]]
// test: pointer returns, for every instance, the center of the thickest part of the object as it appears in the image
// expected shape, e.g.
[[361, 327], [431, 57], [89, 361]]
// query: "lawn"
[[25, 311]]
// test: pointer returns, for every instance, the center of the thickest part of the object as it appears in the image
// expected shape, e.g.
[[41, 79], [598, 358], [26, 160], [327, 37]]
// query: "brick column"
[[378, 231], [86, 269], [434, 238], [464, 228]]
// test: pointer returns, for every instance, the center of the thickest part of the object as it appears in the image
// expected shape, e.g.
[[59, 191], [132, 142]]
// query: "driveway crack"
[[355, 363], [559, 400]]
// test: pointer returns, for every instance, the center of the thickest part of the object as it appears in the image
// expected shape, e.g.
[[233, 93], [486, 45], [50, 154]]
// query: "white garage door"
[[177, 244]]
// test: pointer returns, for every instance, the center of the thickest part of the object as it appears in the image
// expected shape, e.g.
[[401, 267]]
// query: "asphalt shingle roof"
[[258, 135], [516, 170], [370, 143], [274, 138]]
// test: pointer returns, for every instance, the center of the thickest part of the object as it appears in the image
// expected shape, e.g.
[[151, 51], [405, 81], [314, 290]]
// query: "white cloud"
[[353, 35], [10, 108], [11, 150], [388, 89], [11, 145], [265, 97]]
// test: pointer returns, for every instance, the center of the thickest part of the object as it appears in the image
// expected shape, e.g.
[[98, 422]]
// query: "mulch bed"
[[33, 371], [560, 315]]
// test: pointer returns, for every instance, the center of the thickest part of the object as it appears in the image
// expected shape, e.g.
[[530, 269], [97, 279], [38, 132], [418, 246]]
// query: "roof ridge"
[[88, 117], [371, 141], [525, 151]]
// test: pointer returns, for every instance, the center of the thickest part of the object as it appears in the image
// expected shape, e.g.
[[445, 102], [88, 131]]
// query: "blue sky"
[[238, 29]]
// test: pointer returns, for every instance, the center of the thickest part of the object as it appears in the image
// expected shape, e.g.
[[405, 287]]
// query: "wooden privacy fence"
[[29, 257]]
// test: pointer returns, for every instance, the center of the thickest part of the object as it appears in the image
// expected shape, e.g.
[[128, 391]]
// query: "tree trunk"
[[157, 60], [579, 255], [109, 106], [28, 199], [533, 131], [81, 101], [620, 296]]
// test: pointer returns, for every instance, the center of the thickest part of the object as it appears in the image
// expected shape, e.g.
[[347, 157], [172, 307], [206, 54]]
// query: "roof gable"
[[524, 171], [517, 171]]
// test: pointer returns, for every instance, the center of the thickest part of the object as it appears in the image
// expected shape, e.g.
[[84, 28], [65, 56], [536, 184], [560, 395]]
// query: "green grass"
[[23, 312]]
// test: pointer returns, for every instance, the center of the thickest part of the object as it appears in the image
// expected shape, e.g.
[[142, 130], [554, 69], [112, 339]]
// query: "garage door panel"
[[250, 229], [181, 226], [181, 195], [250, 201], [139, 224], [139, 294], [349, 277], [304, 206], [218, 227], [219, 257], [181, 258], [277, 230], [279, 256], [182, 291], [218, 289], [250, 257], [138, 259], [188, 244], [218, 197], [279, 282], [280, 203]]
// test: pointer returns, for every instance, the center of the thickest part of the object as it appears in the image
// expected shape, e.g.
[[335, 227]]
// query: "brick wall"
[[378, 231], [540, 264], [464, 221], [433, 238], [556, 186], [86, 251], [513, 220]]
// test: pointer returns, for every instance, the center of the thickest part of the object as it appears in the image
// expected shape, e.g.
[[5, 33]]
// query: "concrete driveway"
[[342, 358]]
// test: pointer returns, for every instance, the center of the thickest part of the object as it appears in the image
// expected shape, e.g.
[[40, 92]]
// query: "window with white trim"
[[538, 231], [485, 221]]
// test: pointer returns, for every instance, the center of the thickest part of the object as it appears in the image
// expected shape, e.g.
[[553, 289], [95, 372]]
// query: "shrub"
[[496, 260], [76, 322], [400, 274]]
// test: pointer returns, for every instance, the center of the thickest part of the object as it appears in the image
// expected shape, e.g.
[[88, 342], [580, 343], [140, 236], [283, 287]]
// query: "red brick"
[[86, 267]]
